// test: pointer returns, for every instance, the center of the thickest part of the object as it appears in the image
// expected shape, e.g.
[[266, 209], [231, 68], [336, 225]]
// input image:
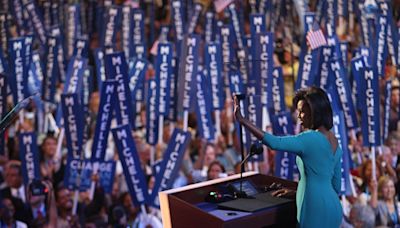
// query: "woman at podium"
[[318, 158]]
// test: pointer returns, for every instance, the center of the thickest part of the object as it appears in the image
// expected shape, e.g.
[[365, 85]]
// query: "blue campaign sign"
[[339, 129], [3, 32], [357, 69], [253, 113], [380, 47], [37, 21], [81, 48], [51, 70], [73, 123], [106, 175], [386, 109], [29, 156], [285, 166], [112, 15], [177, 15], [129, 157], [370, 104], [341, 84], [194, 17], [127, 45], [117, 68], [214, 69], [74, 79], [278, 91], [163, 79], [137, 73], [236, 83], [203, 109], [78, 174], [170, 164], [263, 66], [151, 113], [209, 27], [188, 68], [73, 26], [138, 29], [322, 79], [100, 66], [16, 56], [106, 107]]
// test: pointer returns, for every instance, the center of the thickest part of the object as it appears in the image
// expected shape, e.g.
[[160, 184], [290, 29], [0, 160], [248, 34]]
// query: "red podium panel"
[[186, 206]]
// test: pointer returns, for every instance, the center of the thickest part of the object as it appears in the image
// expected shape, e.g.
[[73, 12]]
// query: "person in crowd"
[[383, 201], [14, 189], [7, 212], [215, 170], [43, 206], [361, 216], [49, 162], [318, 158], [64, 204]]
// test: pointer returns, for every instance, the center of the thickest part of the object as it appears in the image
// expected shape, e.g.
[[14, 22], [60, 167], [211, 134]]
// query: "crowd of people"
[[374, 199]]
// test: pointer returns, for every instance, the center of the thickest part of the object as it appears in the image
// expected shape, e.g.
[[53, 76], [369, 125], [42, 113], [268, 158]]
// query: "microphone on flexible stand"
[[255, 148], [11, 115]]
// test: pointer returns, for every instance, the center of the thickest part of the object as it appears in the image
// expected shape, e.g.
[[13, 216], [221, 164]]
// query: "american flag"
[[315, 38]]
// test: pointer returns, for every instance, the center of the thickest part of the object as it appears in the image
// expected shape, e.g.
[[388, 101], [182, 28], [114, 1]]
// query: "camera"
[[37, 188]]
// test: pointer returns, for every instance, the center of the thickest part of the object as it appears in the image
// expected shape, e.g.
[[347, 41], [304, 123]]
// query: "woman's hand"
[[284, 192], [236, 108]]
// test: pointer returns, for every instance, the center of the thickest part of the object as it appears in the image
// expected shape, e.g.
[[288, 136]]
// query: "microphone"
[[11, 115], [255, 148]]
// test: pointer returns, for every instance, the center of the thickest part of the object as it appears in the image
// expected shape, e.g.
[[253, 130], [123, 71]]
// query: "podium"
[[187, 206]]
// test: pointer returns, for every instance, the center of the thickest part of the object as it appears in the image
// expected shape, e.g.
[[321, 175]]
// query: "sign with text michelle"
[[285, 166], [37, 21], [28, 153], [106, 107], [341, 84], [73, 123], [213, 64], [117, 68], [74, 80], [370, 104], [170, 165], [262, 66], [51, 70], [188, 70], [203, 109], [339, 129], [163, 79], [151, 113], [18, 68], [129, 157]]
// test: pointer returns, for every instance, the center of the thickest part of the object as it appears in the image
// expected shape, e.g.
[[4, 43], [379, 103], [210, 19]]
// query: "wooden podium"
[[187, 207]]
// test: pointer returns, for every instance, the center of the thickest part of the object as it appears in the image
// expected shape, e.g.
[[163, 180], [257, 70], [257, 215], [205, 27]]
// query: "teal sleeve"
[[293, 143], [337, 176]]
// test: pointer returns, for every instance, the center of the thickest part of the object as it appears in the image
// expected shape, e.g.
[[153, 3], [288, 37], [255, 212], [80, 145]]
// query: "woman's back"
[[320, 170]]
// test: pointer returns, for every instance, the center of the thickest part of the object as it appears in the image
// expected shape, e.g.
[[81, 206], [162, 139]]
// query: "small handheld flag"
[[315, 37]]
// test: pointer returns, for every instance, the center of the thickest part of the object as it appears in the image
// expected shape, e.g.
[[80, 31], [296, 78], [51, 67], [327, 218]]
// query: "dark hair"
[[318, 101], [216, 162]]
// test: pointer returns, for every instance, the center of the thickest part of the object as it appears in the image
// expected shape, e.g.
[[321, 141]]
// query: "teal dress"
[[317, 198]]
